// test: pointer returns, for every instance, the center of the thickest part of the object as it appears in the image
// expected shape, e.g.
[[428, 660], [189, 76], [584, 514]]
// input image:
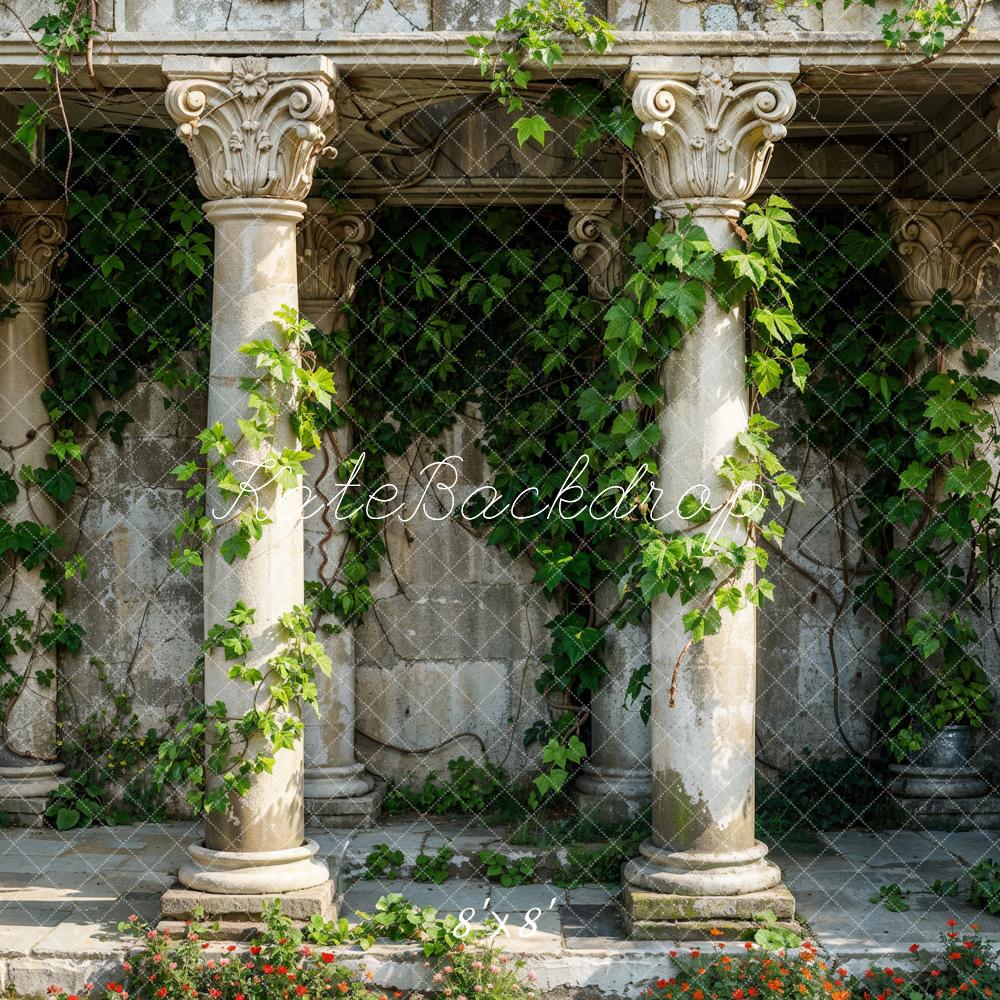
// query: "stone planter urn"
[[940, 786]]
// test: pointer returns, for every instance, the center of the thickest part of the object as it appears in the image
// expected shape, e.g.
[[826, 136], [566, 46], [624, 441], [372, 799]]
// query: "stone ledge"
[[980, 813], [643, 907], [179, 904]]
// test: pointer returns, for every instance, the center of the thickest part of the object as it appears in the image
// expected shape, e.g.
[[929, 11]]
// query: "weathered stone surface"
[[698, 930], [301, 904], [346, 813], [655, 906]]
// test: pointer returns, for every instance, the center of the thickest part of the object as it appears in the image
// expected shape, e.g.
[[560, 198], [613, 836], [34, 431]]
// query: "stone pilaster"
[[615, 783], [333, 243], [942, 245], [707, 136], [254, 128], [29, 772]]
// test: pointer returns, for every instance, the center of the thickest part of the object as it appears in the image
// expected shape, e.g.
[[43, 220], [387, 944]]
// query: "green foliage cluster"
[[984, 886], [822, 794], [506, 870], [531, 33], [395, 918], [434, 867], [471, 789], [383, 862]]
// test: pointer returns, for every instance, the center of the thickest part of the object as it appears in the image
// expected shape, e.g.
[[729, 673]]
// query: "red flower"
[[661, 984], [255, 949], [269, 969], [326, 957], [952, 923], [162, 991], [914, 948]]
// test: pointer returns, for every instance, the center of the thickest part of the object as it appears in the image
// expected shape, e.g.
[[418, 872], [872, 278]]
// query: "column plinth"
[[254, 128], [706, 140], [29, 772]]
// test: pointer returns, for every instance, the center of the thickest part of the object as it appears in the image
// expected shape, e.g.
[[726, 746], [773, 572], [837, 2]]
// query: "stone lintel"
[[655, 907], [180, 904], [689, 68]]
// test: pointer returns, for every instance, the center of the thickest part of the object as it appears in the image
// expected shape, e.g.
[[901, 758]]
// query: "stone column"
[[28, 769], [254, 128], [332, 244], [707, 136], [942, 245], [615, 783]]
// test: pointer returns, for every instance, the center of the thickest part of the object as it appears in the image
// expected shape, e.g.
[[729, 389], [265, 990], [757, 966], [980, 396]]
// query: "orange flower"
[[715, 932], [342, 986]]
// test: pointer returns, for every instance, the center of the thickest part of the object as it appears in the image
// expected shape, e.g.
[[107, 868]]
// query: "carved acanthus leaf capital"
[[942, 245], [598, 245], [708, 138], [254, 127], [39, 231], [332, 244]]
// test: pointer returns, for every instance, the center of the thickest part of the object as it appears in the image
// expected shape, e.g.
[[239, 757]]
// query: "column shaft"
[[255, 274]]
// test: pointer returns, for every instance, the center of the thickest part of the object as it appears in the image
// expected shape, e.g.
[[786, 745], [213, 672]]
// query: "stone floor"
[[61, 896]]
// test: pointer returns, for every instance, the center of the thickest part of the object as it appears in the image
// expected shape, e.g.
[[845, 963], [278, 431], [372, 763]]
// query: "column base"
[[25, 791], [687, 873], [246, 873], [612, 795], [340, 812], [655, 916]]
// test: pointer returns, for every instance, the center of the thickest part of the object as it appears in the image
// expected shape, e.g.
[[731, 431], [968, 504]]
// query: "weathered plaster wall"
[[143, 621]]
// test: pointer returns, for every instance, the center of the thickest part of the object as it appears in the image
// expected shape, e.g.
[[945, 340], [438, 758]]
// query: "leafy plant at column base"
[[286, 681]]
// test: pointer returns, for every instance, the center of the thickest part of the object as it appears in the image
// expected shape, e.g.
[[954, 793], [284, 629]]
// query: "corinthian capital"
[[942, 245], [254, 127], [598, 244], [707, 135], [332, 244], [39, 229]]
